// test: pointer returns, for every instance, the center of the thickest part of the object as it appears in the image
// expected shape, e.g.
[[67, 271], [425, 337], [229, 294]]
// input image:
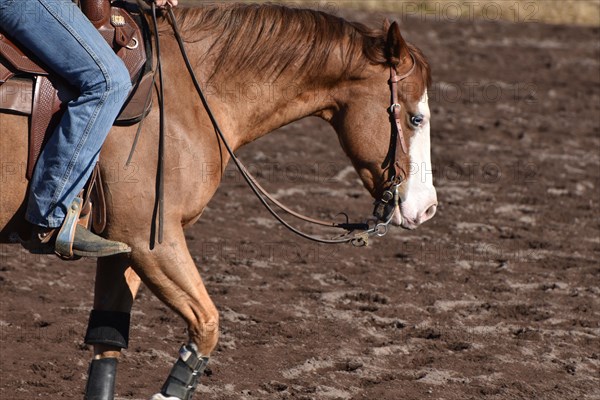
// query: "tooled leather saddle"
[[28, 88]]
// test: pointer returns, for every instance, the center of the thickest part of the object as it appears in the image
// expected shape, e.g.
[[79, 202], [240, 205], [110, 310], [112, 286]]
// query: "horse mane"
[[263, 40]]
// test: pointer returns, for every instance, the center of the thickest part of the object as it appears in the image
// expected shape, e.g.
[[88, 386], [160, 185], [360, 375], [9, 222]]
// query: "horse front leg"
[[108, 327], [169, 271]]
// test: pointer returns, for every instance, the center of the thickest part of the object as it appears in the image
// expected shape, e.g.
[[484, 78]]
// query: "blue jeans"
[[58, 33]]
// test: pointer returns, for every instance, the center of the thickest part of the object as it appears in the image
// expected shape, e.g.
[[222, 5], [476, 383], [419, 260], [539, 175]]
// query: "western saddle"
[[27, 88]]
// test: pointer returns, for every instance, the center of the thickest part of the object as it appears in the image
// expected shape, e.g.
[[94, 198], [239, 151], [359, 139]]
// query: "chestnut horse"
[[314, 64]]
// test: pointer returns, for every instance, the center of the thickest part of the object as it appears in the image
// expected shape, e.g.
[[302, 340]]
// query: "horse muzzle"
[[388, 210], [404, 219]]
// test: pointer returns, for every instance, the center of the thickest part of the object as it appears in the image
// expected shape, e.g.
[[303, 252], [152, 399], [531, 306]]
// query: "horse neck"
[[257, 107]]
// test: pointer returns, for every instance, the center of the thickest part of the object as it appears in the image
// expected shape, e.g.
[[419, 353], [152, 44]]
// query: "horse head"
[[386, 153]]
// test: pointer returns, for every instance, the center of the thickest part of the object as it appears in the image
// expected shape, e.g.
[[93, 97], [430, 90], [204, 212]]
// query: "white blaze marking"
[[420, 193]]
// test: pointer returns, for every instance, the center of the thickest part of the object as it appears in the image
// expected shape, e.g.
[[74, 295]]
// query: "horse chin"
[[399, 220]]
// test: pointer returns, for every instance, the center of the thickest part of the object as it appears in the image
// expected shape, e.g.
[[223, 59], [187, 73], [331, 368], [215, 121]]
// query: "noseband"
[[357, 234]]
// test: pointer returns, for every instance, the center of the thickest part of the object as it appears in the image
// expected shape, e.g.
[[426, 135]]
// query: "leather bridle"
[[395, 115], [390, 199], [357, 234]]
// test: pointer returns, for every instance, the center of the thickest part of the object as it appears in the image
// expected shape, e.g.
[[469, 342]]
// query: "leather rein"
[[357, 234]]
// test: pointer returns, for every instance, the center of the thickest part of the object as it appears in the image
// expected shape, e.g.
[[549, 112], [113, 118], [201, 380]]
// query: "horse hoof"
[[159, 396]]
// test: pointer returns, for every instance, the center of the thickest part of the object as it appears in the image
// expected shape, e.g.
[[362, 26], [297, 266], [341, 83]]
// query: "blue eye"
[[416, 120]]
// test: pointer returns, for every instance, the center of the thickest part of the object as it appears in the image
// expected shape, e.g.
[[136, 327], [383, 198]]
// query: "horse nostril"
[[429, 213]]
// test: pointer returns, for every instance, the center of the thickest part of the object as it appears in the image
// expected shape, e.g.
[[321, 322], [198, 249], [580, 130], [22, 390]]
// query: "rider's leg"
[[58, 33]]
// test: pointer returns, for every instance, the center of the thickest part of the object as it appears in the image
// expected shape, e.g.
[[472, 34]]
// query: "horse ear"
[[396, 47]]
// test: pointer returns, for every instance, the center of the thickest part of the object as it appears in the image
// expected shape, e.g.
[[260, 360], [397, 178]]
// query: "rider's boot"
[[85, 243], [72, 240]]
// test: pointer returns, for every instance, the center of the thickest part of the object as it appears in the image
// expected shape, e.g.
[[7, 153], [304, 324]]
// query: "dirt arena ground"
[[496, 298]]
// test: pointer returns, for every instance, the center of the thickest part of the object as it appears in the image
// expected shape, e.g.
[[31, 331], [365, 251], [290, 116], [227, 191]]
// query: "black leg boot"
[[184, 376], [101, 379]]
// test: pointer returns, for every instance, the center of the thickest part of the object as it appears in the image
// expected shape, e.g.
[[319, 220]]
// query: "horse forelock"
[[264, 41], [422, 69]]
